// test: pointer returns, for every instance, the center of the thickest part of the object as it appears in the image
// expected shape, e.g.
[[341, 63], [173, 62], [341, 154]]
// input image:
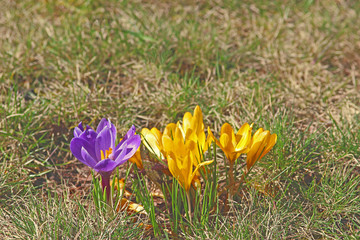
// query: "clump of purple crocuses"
[[97, 150]]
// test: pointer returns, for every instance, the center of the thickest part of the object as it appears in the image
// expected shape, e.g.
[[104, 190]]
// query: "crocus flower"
[[261, 143], [97, 149], [192, 128], [231, 144], [181, 158]]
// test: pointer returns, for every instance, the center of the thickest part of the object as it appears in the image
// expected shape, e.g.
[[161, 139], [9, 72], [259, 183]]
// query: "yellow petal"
[[173, 168], [198, 166], [225, 141], [259, 131], [178, 125], [189, 163], [210, 133], [136, 158], [170, 130], [156, 133], [168, 143], [187, 121], [245, 137], [197, 123], [269, 145], [257, 146], [210, 138], [151, 142], [226, 128], [227, 147]]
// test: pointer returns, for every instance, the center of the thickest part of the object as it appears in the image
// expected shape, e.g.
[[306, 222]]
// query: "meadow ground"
[[290, 66]]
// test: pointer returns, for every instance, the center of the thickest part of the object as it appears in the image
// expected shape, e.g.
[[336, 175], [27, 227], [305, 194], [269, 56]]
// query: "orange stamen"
[[107, 153]]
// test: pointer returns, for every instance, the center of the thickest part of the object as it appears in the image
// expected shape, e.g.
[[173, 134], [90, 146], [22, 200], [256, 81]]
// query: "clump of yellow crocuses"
[[182, 146], [181, 158]]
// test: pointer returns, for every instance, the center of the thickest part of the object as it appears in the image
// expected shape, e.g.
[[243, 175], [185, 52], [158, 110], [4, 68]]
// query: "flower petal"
[[87, 159], [129, 133], [244, 135], [257, 146], [103, 123], [104, 141], [89, 135], [133, 144], [152, 141], [186, 121], [106, 123], [270, 144], [106, 165], [198, 167], [120, 157], [77, 144], [168, 143], [136, 158], [78, 130], [170, 130]]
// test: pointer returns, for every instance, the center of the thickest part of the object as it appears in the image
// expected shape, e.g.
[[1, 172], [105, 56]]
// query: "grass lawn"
[[292, 67]]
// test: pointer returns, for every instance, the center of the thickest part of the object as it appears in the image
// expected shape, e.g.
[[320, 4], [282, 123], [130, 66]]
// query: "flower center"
[[107, 154]]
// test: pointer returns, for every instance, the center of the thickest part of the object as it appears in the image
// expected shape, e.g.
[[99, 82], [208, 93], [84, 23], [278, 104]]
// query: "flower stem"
[[189, 205], [105, 182], [231, 179]]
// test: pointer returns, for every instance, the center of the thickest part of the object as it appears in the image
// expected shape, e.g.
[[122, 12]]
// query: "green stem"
[[231, 179], [189, 205]]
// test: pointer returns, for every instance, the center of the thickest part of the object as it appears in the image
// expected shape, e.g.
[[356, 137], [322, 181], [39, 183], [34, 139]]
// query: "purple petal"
[[106, 123], [80, 126], [90, 128], [77, 144], [129, 134], [88, 160], [89, 135], [78, 130], [132, 146], [119, 150], [128, 149], [119, 156], [106, 165], [104, 141], [103, 123]]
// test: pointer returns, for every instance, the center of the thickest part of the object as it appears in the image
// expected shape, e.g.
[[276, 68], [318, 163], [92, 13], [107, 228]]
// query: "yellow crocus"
[[192, 128], [233, 144], [261, 143], [193, 123], [181, 158]]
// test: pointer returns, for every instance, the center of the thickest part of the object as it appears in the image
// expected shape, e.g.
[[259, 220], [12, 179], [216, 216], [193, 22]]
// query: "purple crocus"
[[97, 150]]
